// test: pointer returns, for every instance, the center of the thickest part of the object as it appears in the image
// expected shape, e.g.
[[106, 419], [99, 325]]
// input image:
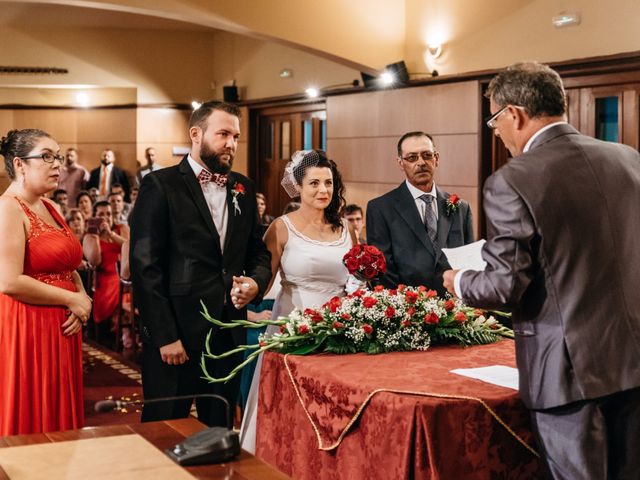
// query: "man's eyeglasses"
[[427, 155], [493, 119], [47, 157]]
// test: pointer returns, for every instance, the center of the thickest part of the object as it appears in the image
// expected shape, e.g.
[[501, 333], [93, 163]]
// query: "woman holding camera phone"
[[42, 301], [103, 245]]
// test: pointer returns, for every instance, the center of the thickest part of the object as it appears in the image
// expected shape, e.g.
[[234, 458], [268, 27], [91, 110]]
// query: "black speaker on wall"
[[399, 71], [230, 94]]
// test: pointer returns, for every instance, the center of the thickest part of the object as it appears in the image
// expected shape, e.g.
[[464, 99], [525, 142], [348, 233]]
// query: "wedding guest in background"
[[85, 204], [265, 219], [73, 176], [42, 302], [107, 175], [125, 209], [562, 252], [150, 166], [93, 193], [76, 223], [306, 247], [290, 207], [117, 208], [353, 214], [190, 244], [102, 245], [62, 199], [412, 223], [133, 196]]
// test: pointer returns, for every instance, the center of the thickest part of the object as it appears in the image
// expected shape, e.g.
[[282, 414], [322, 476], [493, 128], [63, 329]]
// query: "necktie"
[[103, 181], [206, 176], [430, 221]]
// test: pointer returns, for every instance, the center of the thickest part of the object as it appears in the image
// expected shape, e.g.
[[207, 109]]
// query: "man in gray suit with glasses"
[[412, 223], [562, 252]]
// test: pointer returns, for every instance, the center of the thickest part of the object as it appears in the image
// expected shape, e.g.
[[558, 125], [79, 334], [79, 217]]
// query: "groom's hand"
[[243, 290], [173, 353]]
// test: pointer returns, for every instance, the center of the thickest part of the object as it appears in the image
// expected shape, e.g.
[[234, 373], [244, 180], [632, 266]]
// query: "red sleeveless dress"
[[40, 368], [106, 296]]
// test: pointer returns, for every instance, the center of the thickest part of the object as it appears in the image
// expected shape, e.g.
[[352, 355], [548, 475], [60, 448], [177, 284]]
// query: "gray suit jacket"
[[395, 227], [562, 250]]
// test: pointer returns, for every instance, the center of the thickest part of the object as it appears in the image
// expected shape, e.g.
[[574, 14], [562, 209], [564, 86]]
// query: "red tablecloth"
[[393, 416]]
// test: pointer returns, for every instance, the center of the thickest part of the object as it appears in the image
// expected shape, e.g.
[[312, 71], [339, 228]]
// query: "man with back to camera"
[[562, 252], [412, 223], [195, 236]]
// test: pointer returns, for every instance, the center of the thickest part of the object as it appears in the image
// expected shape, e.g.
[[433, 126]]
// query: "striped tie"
[[430, 221]]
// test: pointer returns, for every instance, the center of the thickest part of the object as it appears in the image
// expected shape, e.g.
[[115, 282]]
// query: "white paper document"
[[495, 374], [467, 257]]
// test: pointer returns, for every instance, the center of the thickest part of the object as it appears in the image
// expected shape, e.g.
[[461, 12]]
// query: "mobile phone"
[[93, 225]]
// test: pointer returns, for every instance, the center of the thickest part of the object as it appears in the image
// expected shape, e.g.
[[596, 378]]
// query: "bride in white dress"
[[307, 247]]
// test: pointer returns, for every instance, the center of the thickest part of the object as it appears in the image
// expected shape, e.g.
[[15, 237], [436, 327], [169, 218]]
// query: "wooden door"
[[280, 132]]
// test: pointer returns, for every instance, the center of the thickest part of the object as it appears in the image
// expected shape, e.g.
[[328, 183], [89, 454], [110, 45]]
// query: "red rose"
[[315, 316], [422, 288], [370, 249], [369, 302], [449, 305], [401, 287], [358, 293], [460, 317], [338, 325], [393, 292], [378, 288], [431, 318], [370, 272], [239, 188], [411, 311], [431, 293], [411, 297], [406, 323], [334, 304], [352, 265], [366, 259], [283, 329], [390, 312], [453, 198], [368, 329], [303, 329], [345, 316], [477, 312]]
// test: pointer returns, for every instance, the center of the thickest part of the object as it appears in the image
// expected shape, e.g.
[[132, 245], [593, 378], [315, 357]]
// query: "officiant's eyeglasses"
[[492, 120], [47, 157], [427, 155]]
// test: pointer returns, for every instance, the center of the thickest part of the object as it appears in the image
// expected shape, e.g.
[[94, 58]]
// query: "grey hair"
[[531, 85]]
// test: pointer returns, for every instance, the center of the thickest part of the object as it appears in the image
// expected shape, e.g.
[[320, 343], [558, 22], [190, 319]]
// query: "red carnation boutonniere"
[[453, 204], [237, 190]]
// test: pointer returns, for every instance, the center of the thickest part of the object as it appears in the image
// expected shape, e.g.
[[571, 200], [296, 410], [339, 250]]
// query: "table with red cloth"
[[393, 416]]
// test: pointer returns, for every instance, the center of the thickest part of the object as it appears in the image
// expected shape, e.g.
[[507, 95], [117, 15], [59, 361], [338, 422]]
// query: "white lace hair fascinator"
[[300, 161]]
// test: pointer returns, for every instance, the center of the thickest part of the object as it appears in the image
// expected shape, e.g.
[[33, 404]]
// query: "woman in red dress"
[[103, 244], [42, 302]]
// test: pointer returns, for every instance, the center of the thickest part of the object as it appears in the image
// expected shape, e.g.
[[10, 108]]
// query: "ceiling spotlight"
[[195, 105], [435, 50], [387, 78], [286, 73], [312, 92], [82, 99]]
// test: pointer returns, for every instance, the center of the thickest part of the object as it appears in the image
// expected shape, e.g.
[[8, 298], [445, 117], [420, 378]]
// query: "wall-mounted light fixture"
[[82, 99], [286, 73], [434, 50], [312, 92], [195, 105]]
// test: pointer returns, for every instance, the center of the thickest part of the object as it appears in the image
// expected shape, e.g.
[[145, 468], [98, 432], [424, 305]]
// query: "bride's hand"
[[243, 290]]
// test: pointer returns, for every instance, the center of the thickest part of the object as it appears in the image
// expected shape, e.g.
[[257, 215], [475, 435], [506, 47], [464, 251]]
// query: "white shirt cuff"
[[456, 282]]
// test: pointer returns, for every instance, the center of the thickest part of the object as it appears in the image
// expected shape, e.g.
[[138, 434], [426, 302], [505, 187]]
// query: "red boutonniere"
[[237, 190], [453, 204]]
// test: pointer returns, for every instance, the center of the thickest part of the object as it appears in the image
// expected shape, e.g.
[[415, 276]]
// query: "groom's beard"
[[213, 162]]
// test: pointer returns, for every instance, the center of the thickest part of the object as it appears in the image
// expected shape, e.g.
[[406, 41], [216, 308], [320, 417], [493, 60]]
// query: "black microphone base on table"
[[213, 445]]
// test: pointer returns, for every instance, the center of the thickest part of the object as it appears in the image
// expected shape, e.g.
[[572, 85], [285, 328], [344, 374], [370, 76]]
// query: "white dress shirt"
[[416, 193], [216, 198]]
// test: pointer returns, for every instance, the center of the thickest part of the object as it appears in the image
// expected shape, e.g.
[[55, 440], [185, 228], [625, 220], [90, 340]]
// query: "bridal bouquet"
[[370, 321], [365, 262]]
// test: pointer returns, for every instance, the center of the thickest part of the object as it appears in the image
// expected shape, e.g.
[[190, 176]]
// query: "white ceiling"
[[25, 15]]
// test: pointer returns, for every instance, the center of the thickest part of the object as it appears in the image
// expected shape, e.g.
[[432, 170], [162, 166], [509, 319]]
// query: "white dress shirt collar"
[[416, 193], [538, 133]]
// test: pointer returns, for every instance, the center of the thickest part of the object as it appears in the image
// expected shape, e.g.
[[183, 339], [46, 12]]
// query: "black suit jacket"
[[562, 250], [394, 226], [117, 176], [176, 259]]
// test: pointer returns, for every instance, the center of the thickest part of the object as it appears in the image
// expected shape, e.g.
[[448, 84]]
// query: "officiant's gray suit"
[[563, 249], [395, 226]]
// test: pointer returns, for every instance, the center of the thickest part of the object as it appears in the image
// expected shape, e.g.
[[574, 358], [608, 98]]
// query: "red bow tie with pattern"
[[205, 176]]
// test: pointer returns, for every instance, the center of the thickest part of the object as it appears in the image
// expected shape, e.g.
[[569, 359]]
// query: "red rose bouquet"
[[365, 262]]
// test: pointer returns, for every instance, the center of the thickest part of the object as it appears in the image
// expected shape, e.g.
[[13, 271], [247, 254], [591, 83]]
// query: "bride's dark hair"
[[333, 212]]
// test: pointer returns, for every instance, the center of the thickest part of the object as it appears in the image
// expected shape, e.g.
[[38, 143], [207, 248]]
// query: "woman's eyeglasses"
[[47, 157]]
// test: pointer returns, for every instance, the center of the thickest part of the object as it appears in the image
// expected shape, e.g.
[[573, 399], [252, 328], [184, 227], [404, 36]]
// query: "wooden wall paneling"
[[366, 159], [7, 121], [573, 107], [61, 124], [458, 163], [631, 117], [162, 129]]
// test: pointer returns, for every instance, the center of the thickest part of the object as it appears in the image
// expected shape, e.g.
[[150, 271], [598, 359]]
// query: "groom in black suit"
[[195, 236], [412, 223]]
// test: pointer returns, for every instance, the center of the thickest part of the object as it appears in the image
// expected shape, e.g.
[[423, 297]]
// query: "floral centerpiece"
[[371, 321]]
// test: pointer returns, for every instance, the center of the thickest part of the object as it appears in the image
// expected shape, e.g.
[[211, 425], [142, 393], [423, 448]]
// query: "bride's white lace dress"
[[312, 273]]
